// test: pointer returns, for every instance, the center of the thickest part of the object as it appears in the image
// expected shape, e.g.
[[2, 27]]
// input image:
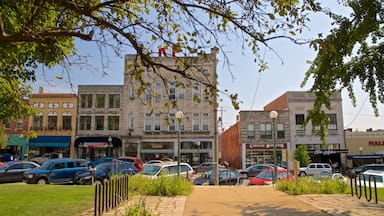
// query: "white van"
[[369, 175], [156, 170]]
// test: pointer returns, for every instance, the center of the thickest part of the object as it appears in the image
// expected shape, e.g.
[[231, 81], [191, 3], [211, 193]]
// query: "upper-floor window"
[[85, 123], [38, 121], [8, 125], [196, 94], [148, 95], [52, 120], [332, 122], [19, 124], [132, 93], [157, 122], [86, 101], [299, 122], [196, 122], [131, 122], [205, 121], [100, 101], [250, 131], [38, 105], [114, 101], [149, 70], [67, 105], [147, 122], [204, 71], [172, 122], [266, 131], [172, 91], [67, 121], [53, 105], [158, 87], [280, 131], [181, 93], [99, 122], [113, 122]]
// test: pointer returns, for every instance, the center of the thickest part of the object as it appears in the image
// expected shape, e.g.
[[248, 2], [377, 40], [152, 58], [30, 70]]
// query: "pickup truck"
[[314, 168]]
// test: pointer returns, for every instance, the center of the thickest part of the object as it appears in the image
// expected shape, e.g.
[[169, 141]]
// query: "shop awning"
[[16, 140], [362, 157], [50, 141]]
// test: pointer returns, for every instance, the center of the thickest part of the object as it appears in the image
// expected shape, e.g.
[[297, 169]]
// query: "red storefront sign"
[[376, 143]]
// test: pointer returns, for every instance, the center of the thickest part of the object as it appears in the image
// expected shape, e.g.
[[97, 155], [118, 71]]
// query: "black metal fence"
[[359, 184], [110, 194]]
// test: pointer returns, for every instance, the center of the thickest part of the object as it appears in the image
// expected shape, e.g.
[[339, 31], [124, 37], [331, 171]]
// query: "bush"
[[305, 185], [162, 186]]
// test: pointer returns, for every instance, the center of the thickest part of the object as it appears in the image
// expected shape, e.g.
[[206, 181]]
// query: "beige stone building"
[[55, 123]]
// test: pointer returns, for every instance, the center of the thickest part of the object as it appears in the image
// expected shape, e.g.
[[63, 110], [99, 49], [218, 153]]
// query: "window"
[[149, 70], [280, 131], [114, 101], [67, 121], [157, 122], [67, 105], [195, 122], [300, 122], [181, 93], [132, 93], [196, 91], [172, 91], [8, 125], [52, 120], [113, 122], [332, 122], [250, 131], [205, 122], [131, 122], [100, 101], [99, 122], [38, 121], [86, 101], [157, 91], [19, 124], [148, 95], [172, 122], [204, 71], [38, 105], [147, 122], [265, 131], [53, 105], [85, 122]]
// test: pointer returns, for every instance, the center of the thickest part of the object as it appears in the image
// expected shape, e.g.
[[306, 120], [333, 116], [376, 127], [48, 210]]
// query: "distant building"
[[55, 123]]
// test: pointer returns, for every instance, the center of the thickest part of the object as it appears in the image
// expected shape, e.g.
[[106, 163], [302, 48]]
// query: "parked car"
[[103, 172], [206, 166], [138, 163], [326, 175], [363, 168], [94, 163], [254, 170], [167, 169], [46, 156], [5, 157], [371, 176], [13, 171], [153, 161], [226, 177], [266, 177], [61, 170], [314, 168]]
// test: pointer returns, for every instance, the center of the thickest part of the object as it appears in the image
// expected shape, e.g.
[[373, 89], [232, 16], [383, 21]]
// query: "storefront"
[[48, 144], [262, 153], [93, 148], [17, 146]]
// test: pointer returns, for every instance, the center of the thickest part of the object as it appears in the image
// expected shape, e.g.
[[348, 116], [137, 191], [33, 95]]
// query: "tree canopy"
[[43, 32]]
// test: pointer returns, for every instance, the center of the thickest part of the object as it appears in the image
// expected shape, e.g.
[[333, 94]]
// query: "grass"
[[30, 200], [306, 185]]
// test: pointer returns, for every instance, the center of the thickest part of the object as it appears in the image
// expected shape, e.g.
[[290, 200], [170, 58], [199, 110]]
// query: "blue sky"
[[255, 89]]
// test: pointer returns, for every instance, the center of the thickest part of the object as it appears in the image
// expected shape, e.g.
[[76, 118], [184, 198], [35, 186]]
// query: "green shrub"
[[305, 185], [162, 186], [138, 209]]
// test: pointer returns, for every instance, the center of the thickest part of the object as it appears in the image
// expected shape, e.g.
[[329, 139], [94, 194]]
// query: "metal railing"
[[110, 194], [359, 182]]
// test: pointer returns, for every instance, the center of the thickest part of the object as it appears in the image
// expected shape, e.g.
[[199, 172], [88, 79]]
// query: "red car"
[[265, 177], [138, 163]]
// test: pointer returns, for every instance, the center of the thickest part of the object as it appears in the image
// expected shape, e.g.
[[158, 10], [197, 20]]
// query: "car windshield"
[[46, 166], [103, 167], [150, 169], [264, 175]]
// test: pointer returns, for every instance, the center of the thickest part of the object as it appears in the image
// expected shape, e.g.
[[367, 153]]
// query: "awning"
[[50, 141], [362, 157], [194, 140], [16, 140]]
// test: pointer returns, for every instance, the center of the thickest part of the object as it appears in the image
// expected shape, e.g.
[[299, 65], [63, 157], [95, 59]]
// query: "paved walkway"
[[258, 201]]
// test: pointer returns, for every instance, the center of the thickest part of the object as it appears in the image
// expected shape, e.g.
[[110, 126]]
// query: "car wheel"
[[42, 181], [302, 174]]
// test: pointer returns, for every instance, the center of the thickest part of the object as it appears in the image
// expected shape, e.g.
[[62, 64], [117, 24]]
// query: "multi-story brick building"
[[291, 108], [144, 125], [55, 123], [16, 141]]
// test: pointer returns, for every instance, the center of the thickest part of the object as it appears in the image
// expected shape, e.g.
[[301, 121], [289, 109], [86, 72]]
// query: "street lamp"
[[361, 153], [198, 146], [273, 115], [179, 116]]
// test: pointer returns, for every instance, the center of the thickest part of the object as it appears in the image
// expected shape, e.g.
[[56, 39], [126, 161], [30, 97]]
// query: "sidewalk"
[[258, 201]]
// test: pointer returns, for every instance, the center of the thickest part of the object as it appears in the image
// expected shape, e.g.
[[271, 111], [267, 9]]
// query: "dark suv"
[[61, 170]]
